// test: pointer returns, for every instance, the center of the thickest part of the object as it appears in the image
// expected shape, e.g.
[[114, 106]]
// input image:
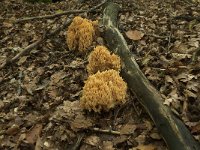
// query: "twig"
[[35, 44], [157, 36], [23, 52], [46, 35], [50, 16], [187, 17], [78, 142], [60, 14], [19, 90], [106, 131]]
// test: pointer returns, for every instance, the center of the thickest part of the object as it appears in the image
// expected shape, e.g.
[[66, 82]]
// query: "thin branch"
[[187, 17], [60, 14], [27, 49], [50, 16], [157, 36], [35, 44], [78, 142], [106, 131]]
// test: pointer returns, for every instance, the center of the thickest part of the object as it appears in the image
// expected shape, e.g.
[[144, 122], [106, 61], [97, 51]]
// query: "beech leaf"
[[134, 35]]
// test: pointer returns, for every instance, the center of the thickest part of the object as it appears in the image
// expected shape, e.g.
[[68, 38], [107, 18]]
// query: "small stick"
[[106, 131], [78, 142], [50, 16], [187, 17], [60, 14]]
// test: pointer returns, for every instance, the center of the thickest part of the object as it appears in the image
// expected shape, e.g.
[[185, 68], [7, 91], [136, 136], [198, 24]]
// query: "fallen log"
[[171, 128]]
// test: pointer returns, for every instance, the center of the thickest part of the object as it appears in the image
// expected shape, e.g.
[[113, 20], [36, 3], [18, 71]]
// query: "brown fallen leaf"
[[134, 35], [80, 122], [120, 139], [189, 93], [56, 77], [108, 145], [145, 147], [22, 60], [196, 128], [12, 130], [39, 144], [128, 129], [93, 140], [7, 24], [33, 134], [155, 136]]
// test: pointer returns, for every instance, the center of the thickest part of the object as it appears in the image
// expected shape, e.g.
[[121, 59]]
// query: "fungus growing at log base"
[[103, 91], [80, 34], [100, 59]]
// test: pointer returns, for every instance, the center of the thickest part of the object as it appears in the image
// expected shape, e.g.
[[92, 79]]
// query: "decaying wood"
[[171, 128]]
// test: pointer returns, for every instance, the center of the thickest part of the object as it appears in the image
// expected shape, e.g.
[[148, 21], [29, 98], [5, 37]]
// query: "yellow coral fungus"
[[100, 60], [103, 91], [80, 34]]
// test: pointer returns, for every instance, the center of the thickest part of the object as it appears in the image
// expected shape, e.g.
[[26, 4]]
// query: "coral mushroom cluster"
[[100, 59], [103, 91], [80, 34], [104, 88]]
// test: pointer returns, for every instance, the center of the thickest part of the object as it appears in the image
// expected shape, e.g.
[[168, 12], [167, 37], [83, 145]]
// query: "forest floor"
[[40, 92]]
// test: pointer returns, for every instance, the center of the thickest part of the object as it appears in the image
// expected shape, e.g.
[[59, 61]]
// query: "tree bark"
[[171, 128]]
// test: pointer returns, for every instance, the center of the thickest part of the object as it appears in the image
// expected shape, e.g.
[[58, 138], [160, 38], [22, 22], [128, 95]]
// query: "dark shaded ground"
[[39, 94]]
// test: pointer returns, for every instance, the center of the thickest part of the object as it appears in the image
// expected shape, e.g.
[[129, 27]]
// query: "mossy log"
[[171, 128]]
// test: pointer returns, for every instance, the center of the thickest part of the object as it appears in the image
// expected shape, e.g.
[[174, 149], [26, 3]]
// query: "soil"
[[40, 92]]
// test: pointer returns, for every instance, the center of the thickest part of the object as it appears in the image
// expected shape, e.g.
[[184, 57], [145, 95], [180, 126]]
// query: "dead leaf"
[[56, 77], [146, 60], [38, 145], [141, 139], [22, 60], [196, 128], [147, 124], [53, 92], [168, 101], [192, 85], [128, 129], [185, 77], [93, 140], [12, 130], [33, 134], [168, 79], [108, 145], [78, 63], [134, 35], [7, 24], [30, 84], [146, 147], [81, 122], [72, 109], [189, 93], [179, 56], [120, 139], [155, 136], [47, 144]]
